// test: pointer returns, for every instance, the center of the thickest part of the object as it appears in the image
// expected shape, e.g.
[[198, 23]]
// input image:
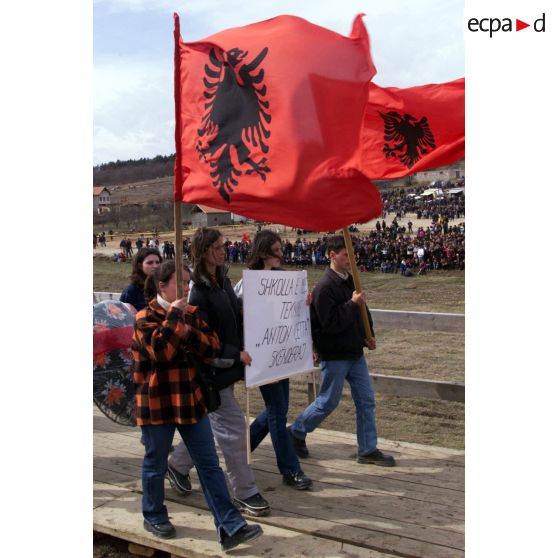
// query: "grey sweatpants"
[[229, 429]]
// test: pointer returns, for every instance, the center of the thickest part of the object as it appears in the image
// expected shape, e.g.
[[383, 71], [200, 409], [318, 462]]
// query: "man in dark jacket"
[[339, 338]]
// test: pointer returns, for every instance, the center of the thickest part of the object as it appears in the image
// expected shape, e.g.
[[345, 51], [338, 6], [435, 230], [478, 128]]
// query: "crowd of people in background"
[[394, 245], [166, 248], [406, 201], [390, 248], [393, 248]]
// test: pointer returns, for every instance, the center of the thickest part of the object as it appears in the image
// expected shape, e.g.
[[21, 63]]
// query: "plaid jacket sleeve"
[[162, 341], [202, 340]]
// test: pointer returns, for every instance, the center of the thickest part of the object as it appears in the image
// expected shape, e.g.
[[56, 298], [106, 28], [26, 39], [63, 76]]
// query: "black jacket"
[[220, 308], [133, 295], [337, 328]]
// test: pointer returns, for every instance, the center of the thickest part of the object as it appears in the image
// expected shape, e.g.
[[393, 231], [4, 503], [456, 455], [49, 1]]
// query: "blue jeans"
[[274, 421], [199, 441], [334, 373]]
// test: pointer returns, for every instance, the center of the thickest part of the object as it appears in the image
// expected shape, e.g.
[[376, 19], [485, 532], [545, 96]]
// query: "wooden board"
[[414, 509], [400, 386], [367, 495], [197, 537], [419, 388], [423, 321]]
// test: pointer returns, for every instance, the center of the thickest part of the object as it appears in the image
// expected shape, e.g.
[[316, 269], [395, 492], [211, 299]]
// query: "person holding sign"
[[168, 335], [214, 296], [266, 254], [338, 334]]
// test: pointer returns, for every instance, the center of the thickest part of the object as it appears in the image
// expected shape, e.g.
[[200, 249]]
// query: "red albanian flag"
[[269, 120], [414, 129]]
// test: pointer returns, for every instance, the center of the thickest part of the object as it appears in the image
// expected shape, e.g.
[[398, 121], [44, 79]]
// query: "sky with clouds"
[[413, 42]]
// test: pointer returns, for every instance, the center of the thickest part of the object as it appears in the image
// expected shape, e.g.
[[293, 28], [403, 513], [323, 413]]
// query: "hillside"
[[144, 181], [143, 192], [133, 170]]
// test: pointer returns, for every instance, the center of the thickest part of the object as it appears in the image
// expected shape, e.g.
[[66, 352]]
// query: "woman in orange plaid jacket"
[[167, 335]]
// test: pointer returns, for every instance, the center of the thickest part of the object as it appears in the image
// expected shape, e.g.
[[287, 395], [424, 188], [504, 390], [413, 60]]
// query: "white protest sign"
[[276, 325]]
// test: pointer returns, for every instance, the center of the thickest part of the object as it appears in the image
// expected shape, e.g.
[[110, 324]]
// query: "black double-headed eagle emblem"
[[236, 116], [407, 138]]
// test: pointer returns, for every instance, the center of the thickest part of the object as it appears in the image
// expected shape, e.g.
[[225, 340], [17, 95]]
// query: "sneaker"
[[299, 445], [179, 482], [377, 458], [243, 535], [255, 505], [163, 530], [297, 480]]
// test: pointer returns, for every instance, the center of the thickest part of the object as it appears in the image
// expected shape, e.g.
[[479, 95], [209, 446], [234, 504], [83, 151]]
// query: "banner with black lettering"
[[277, 330]]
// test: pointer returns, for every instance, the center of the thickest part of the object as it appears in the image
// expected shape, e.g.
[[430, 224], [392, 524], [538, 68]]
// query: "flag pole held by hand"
[[178, 177], [358, 286], [178, 248]]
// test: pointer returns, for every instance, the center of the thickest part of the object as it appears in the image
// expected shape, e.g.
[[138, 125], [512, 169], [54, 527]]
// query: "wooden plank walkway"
[[413, 510]]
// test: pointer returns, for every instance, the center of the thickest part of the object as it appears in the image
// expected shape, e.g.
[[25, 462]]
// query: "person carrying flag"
[[339, 338], [169, 336], [213, 295]]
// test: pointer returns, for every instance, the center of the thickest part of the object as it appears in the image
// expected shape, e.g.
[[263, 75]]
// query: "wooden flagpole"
[[178, 179], [178, 247], [356, 279]]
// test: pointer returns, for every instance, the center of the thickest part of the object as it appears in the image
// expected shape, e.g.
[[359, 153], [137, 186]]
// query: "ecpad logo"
[[494, 24]]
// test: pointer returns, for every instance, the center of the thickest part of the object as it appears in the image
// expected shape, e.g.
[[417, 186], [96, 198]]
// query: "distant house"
[[101, 199], [453, 172], [203, 216]]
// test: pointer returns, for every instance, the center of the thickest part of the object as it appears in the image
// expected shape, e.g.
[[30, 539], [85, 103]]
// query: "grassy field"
[[440, 291], [417, 354]]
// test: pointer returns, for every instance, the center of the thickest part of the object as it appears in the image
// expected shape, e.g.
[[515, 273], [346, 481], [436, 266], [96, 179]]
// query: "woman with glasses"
[[214, 296]]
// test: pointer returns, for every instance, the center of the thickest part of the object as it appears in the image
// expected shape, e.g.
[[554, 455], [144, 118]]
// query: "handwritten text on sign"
[[276, 325]]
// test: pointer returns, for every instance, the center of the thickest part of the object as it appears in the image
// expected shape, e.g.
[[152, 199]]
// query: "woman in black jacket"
[[218, 306]]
